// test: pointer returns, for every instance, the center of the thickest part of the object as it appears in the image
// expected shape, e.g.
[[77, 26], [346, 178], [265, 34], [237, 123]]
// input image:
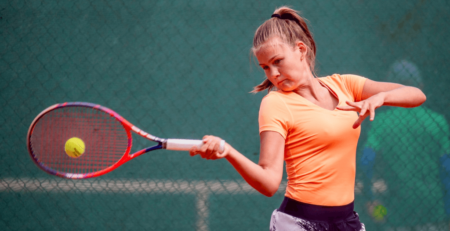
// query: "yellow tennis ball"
[[379, 212], [74, 147]]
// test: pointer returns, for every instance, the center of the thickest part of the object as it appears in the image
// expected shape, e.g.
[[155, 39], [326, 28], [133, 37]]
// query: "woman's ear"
[[300, 46]]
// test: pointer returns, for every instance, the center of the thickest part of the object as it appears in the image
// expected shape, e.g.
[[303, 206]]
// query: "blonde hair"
[[291, 28]]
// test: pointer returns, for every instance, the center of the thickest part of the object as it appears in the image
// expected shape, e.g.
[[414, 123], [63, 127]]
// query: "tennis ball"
[[74, 147], [379, 212]]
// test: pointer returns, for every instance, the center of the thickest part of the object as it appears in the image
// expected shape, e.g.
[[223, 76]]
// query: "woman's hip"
[[297, 216]]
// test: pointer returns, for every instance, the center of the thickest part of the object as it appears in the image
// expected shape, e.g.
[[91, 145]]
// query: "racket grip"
[[186, 145]]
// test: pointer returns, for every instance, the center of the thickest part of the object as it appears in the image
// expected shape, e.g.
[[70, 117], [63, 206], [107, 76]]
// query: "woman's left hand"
[[364, 108]]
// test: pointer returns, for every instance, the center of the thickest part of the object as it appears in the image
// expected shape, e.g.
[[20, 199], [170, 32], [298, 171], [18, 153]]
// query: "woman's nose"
[[274, 72]]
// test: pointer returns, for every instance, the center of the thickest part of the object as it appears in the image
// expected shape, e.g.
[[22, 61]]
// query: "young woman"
[[312, 124]]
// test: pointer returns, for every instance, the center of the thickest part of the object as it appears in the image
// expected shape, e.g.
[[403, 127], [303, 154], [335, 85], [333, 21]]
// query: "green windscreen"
[[183, 69]]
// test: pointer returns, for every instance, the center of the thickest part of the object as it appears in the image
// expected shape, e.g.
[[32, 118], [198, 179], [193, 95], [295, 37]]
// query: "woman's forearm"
[[404, 96], [264, 179], [265, 176]]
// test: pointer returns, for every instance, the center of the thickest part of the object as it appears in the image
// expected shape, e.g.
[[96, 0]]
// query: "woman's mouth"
[[280, 82]]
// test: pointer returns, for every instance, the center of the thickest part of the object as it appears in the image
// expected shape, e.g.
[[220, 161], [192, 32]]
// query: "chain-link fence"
[[182, 69]]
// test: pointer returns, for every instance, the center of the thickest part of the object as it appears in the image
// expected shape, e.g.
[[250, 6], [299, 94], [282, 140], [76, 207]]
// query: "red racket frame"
[[126, 156]]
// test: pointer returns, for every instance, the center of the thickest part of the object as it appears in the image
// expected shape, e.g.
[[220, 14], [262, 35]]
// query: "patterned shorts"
[[284, 222]]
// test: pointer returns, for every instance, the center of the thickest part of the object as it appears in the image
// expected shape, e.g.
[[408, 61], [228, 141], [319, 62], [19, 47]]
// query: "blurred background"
[[183, 69]]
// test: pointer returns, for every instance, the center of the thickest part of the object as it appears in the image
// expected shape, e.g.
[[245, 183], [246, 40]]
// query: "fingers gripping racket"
[[82, 140]]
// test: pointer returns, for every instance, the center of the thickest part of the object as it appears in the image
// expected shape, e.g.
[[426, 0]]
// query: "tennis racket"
[[105, 136]]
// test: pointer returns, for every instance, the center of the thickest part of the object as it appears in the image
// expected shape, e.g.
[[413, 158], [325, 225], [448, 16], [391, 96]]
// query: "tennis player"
[[310, 123]]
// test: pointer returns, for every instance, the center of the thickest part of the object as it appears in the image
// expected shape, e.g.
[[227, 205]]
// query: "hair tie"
[[276, 16], [284, 16], [289, 17]]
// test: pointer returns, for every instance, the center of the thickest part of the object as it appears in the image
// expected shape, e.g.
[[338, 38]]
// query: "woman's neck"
[[318, 94], [311, 88]]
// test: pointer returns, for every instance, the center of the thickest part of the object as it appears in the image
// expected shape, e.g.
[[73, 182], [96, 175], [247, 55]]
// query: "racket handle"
[[186, 145]]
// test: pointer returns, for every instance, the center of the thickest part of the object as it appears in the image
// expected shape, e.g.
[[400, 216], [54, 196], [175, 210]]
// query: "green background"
[[183, 69]]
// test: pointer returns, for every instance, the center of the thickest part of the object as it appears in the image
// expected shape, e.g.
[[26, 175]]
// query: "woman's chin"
[[285, 88]]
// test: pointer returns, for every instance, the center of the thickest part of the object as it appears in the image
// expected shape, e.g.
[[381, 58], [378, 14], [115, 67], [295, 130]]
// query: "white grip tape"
[[182, 144], [186, 145]]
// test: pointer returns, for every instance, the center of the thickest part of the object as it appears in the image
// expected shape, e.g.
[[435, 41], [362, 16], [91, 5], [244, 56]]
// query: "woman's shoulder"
[[338, 78], [275, 96], [275, 105], [276, 99], [350, 82]]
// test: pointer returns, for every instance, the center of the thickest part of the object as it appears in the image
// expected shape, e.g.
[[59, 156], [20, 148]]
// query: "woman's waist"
[[315, 212]]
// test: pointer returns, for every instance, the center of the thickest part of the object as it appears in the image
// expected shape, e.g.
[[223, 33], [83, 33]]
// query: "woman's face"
[[283, 64]]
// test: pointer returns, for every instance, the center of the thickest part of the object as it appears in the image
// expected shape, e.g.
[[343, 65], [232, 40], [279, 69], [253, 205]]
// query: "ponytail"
[[266, 84]]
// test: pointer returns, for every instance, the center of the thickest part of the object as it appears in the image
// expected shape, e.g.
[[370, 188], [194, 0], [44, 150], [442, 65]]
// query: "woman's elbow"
[[421, 98], [270, 191], [414, 98], [424, 98]]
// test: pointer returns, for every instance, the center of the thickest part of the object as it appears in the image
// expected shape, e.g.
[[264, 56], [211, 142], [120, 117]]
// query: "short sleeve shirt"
[[320, 144]]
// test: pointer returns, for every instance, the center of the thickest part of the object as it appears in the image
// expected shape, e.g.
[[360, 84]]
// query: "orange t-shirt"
[[320, 144]]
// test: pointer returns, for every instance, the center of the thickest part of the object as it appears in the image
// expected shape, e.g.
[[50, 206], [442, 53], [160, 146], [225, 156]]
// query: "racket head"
[[106, 136]]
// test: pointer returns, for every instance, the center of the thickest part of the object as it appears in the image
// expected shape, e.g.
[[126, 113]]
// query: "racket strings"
[[104, 137]]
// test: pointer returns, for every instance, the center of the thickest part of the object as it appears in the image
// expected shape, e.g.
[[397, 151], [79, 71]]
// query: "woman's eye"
[[277, 61]]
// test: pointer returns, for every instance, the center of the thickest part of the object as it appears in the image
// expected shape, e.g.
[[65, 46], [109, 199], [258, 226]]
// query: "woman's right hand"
[[210, 149]]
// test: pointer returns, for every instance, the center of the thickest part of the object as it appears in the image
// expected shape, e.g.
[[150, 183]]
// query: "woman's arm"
[[394, 94], [377, 94], [265, 176]]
